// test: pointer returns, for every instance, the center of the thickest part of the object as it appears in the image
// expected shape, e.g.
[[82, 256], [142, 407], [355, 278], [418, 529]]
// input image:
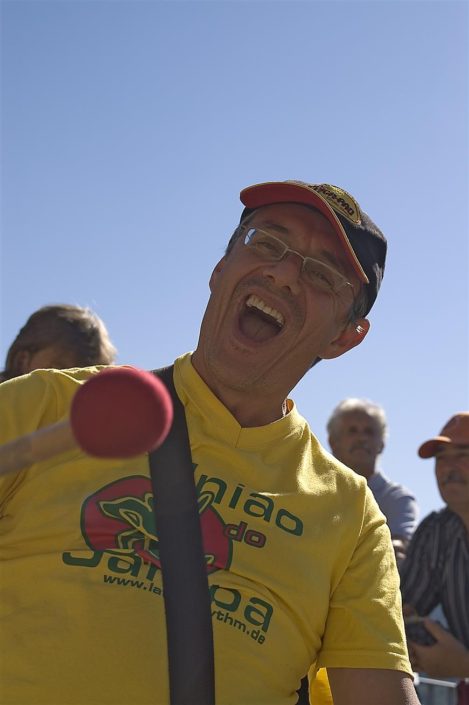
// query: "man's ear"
[[351, 336], [214, 276]]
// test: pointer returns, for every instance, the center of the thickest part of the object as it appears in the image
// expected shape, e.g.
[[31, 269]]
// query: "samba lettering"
[[256, 611], [240, 532], [130, 564], [254, 504]]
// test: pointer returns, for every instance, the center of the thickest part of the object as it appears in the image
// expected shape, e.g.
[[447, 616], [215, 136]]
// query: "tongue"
[[257, 326]]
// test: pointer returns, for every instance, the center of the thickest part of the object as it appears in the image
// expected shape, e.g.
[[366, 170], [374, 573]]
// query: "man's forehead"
[[358, 415], [283, 210]]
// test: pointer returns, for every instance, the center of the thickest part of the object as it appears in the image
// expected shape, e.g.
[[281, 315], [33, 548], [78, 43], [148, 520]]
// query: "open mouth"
[[360, 448], [258, 321]]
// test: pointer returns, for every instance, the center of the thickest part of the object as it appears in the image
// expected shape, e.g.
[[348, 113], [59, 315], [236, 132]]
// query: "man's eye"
[[320, 275], [264, 243], [267, 245]]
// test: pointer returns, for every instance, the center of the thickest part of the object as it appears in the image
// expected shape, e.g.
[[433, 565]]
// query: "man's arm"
[[400, 548], [402, 512], [448, 658], [368, 686]]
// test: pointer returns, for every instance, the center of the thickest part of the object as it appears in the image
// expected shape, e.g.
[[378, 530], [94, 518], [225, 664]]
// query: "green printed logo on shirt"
[[117, 523], [118, 518]]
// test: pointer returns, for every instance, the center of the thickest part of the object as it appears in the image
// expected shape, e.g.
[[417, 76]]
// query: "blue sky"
[[129, 128]]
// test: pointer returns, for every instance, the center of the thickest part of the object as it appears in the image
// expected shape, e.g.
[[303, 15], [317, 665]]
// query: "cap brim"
[[272, 192], [430, 448]]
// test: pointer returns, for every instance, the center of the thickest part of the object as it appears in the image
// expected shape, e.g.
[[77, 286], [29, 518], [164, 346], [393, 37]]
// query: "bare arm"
[[448, 658], [368, 686]]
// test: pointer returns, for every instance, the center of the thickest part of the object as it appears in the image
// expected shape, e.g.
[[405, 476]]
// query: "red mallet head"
[[121, 412]]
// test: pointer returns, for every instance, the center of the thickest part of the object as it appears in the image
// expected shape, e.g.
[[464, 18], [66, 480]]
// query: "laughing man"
[[302, 572]]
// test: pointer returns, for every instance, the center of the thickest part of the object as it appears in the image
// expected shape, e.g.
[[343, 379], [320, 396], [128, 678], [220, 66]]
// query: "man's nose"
[[286, 272]]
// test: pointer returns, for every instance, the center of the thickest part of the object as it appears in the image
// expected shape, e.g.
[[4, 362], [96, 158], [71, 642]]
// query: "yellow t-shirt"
[[301, 569]]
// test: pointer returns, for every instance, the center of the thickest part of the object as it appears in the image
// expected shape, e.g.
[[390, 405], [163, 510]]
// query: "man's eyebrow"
[[272, 226]]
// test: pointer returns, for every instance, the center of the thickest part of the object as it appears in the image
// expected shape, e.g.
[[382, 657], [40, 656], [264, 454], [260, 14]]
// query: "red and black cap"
[[363, 241]]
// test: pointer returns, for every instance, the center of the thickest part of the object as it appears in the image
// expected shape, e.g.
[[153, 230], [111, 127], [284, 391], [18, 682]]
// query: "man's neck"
[[249, 414], [366, 472], [249, 409]]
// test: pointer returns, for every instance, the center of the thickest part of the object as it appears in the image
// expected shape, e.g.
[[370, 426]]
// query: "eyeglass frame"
[[245, 228]]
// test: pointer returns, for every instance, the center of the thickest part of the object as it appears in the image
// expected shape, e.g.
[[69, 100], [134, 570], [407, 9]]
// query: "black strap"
[[184, 573]]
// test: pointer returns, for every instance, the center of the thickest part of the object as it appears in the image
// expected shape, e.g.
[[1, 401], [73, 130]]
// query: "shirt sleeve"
[[31, 402], [402, 515], [419, 579], [25, 406], [364, 627]]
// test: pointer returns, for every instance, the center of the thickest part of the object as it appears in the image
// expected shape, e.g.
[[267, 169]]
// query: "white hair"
[[363, 405]]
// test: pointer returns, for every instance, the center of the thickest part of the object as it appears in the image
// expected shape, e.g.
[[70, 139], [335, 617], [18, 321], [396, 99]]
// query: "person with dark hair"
[[59, 336], [436, 569], [301, 570]]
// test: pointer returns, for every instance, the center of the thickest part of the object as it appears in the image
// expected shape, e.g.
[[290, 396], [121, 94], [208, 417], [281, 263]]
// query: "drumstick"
[[119, 413]]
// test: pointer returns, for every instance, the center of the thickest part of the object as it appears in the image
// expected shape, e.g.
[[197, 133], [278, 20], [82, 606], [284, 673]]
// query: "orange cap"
[[455, 431]]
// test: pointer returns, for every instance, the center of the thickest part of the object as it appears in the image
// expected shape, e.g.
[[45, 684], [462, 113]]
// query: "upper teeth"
[[255, 301]]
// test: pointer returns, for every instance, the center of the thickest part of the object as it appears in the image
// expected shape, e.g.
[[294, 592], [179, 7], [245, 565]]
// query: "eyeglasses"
[[320, 275]]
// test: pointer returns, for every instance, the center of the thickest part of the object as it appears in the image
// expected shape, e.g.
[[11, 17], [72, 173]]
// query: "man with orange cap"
[[436, 570]]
